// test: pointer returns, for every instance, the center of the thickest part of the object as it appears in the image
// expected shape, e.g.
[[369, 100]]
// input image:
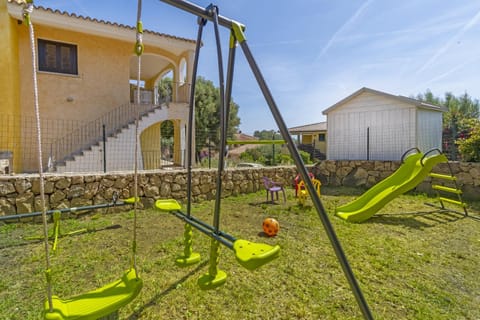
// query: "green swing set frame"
[[237, 36], [110, 298], [250, 255]]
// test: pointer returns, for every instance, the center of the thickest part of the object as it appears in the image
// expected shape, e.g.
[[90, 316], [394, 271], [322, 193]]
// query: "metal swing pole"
[[229, 84], [362, 303], [199, 12], [216, 277], [189, 257], [237, 29], [223, 126], [191, 113]]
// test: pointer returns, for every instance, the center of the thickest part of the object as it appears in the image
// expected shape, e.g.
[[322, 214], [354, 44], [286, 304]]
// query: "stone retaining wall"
[[368, 173], [20, 193]]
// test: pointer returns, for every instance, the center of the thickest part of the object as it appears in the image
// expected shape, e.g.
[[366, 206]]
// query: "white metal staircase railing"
[[83, 137], [91, 133]]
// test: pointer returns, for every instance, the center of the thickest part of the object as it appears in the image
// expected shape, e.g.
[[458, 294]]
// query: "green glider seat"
[[97, 303], [253, 255]]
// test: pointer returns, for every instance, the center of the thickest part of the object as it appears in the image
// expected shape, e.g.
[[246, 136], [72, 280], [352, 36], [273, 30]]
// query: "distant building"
[[235, 150], [312, 138]]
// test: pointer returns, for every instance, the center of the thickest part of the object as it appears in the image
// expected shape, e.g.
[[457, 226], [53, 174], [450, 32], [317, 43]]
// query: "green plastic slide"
[[412, 172]]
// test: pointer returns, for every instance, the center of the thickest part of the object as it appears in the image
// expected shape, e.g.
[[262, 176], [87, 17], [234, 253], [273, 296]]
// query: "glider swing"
[[108, 299], [237, 36], [249, 254], [114, 203], [56, 217]]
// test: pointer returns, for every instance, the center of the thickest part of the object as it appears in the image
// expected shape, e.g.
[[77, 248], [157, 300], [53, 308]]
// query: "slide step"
[[446, 189], [443, 176], [459, 203]]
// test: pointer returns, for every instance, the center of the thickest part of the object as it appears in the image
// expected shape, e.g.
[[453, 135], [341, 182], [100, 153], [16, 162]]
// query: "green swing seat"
[[252, 255], [97, 303]]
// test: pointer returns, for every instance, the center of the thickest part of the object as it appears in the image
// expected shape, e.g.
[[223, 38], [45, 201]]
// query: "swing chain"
[[27, 11]]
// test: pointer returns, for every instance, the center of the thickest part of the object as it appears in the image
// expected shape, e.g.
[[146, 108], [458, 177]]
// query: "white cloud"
[[344, 27], [467, 26]]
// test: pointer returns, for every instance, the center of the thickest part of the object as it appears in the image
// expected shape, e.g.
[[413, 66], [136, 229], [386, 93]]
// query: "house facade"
[[87, 72], [374, 125], [312, 138]]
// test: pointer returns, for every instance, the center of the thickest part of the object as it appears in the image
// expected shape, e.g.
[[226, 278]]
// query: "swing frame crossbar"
[[233, 142], [237, 36]]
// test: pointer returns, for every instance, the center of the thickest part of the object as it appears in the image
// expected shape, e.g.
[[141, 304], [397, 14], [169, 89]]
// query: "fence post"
[[368, 143], [104, 149]]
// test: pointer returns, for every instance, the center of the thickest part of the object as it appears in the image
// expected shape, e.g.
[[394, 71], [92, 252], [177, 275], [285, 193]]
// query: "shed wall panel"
[[383, 126], [429, 130]]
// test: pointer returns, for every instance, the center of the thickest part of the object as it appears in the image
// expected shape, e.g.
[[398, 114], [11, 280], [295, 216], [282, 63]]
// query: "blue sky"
[[314, 53]]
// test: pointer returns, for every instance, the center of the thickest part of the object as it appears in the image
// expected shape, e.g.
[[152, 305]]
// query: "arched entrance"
[[160, 145], [167, 142]]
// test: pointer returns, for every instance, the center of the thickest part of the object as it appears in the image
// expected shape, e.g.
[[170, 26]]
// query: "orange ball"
[[270, 227]]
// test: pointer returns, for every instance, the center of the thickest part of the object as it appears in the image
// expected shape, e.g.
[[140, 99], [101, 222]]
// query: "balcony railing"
[[170, 92]]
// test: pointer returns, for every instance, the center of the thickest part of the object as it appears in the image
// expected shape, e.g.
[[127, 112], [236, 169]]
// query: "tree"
[[207, 114], [164, 87], [267, 135], [469, 141], [456, 121]]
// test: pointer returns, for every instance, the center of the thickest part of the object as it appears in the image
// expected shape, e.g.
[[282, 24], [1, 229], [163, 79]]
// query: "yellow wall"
[[307, 139], [319, 145], [65, 101], [9, 87], [150, 142], [102, 82]]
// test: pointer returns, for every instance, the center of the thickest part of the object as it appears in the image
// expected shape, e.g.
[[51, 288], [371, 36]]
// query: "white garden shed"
[[374, 125]]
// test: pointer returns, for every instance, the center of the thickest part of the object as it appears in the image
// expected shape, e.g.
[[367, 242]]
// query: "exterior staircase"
[[314, 153], [117, 152]]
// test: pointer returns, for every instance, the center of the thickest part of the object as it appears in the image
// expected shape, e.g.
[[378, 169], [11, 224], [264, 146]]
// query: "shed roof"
[[309, 128], [415, 102]]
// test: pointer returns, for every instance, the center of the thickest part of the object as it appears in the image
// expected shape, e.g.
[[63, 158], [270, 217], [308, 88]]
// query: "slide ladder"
[[448, 190]]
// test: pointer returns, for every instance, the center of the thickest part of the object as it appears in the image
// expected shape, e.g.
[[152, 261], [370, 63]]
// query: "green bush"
[[469, 145], [305, 157]]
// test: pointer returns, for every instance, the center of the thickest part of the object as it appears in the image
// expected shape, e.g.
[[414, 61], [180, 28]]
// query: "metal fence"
[[63, 140], [94, 132]]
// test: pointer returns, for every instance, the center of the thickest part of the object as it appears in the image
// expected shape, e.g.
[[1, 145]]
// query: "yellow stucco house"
[[86, 70], [312, 138]]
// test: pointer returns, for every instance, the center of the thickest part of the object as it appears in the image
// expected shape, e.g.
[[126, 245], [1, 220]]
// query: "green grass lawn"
[[411, 261]]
